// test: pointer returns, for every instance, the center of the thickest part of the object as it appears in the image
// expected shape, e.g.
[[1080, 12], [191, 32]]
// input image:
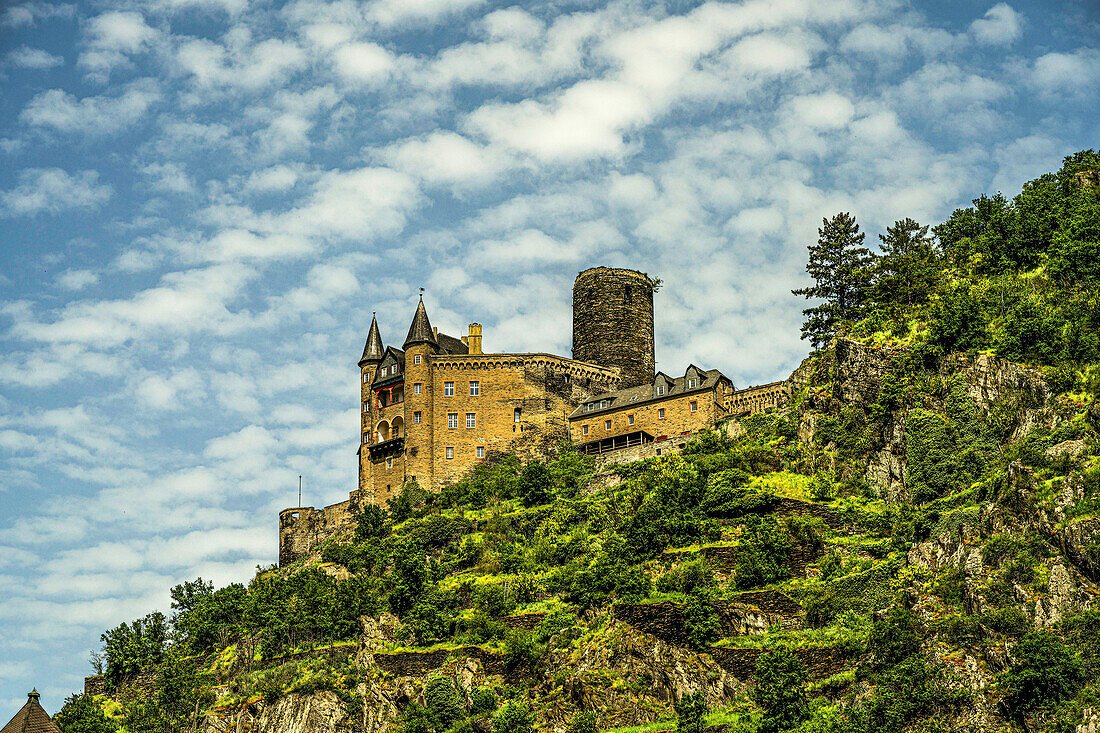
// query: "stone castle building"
[[435, 406]]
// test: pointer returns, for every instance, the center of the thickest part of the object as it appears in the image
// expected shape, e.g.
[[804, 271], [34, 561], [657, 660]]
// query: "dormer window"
[[660, 390], [692, 383]]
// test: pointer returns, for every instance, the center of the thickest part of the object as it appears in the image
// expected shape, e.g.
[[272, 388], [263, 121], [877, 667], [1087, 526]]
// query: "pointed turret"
[[31, 717], [373, 349], [420, 331]]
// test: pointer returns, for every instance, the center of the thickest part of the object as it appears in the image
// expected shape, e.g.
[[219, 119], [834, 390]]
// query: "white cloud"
[[824, 111], [171, 392], [34, 58], [1001, 25], [1077, 72], [446, 158], [29, 14], [57, 109], [184, 302], [169, 177], [275, 178], [397, 12], [111, 38], [77, 279], [365, 63], [53, 190], [240, 63]]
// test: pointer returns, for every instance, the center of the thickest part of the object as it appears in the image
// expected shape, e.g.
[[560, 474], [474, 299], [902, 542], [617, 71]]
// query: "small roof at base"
[[31, 718]]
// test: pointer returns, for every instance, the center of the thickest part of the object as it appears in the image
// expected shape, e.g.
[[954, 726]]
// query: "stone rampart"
[[417, 664], [303, 528]]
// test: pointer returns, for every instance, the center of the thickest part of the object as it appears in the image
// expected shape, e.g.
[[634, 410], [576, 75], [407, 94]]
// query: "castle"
[[436, 406]]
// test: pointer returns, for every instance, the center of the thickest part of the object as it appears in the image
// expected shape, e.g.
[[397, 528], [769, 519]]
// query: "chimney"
[[474, 339]]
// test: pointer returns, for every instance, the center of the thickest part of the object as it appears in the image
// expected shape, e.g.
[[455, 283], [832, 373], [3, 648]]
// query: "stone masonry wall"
[[613, 322]]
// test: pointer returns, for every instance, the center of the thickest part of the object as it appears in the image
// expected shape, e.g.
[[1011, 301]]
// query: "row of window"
[[693, 406], [450, 453], [471, 417]]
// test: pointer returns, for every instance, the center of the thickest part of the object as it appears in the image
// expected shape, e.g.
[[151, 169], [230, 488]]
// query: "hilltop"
[[911, 543]]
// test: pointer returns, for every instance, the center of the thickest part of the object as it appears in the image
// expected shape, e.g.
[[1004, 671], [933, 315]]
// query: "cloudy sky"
[[202, 201]]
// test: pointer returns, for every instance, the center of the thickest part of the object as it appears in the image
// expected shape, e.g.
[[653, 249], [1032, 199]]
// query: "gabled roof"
[[420, 330], [451, 345], [373, 349], [623, 398], [31, 718]]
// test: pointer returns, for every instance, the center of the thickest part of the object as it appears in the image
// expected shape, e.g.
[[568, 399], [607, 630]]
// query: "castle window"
[[605, 403], [366, 406], [448, 389], [389, 463], [658, 451], [516, 414], [471, 420], [584, 430], [606, 424], [481, 451], [452, 419], [416, 417], [629, 419], [475, 389], [450, 452], [366, 438], [694, 405], [661, 414], [626, 293], [416, 359], [660, 389], [691, 383], [417, 388], [366, 377]]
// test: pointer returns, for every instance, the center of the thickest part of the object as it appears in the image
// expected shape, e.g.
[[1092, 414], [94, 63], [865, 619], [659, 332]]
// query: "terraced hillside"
[[912, 544]]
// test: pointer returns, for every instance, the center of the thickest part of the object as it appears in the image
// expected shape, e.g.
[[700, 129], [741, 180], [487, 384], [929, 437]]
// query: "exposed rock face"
[[317, 712]]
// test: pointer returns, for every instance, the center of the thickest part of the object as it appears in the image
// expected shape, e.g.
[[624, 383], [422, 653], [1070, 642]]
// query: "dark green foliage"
[[204, 617], [893, 638], [409, 576], [371, 523], [535, 484], [691, 577], [442, 703], [81, 714], [1044, 672], [130, 647], [958, 320], [930, 455], [701, 621], [691, 710], [514, 717], [911, 689], [483, 702], [181, 689], [841, 268], [908, 271], [780, 690], [762, 553], [584, 723]]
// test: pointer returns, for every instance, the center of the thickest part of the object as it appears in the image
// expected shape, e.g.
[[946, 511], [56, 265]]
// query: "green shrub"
[[691, 710], [780, 690], [584, 723], [442, 703], [483, 702], [1044, 672], [514, 717], [690, 577], [81, 714]]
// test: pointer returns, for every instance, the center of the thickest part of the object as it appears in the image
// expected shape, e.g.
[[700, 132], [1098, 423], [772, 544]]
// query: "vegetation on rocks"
[[911, 544]]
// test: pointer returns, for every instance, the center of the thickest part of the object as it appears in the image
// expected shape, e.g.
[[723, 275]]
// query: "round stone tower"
[[613, 322]]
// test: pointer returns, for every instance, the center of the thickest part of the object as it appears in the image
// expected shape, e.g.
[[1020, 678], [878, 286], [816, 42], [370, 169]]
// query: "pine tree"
[[908, 270], [841, 268]]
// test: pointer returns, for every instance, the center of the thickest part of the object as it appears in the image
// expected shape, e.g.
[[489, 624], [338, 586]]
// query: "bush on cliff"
[[779, 690], [81, 714]]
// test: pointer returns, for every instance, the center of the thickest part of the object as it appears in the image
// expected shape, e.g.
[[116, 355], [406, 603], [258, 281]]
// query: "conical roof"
[[31, 718], [420, 331], [373, 349]]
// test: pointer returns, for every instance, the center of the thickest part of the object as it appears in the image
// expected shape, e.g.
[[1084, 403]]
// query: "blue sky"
[[202, 201]]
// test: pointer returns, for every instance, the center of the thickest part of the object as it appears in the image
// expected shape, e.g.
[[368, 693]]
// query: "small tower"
[[31, 717], [420, 346], [613, 322], [368, 368]]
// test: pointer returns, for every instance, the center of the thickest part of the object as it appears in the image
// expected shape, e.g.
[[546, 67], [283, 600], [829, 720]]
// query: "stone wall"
[[613, 322], [303, 528]]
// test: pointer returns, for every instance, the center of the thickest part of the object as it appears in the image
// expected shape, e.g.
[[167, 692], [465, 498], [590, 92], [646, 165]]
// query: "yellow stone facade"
[[433, 410]]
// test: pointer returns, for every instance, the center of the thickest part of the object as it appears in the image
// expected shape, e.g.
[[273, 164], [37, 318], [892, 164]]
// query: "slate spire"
[[420, 331], [373, 349], [31, 718]]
